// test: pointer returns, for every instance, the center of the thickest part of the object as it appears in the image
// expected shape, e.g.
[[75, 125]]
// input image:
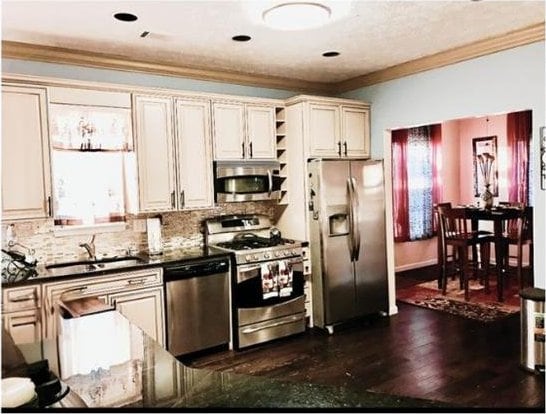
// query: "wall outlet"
[[139, 225]]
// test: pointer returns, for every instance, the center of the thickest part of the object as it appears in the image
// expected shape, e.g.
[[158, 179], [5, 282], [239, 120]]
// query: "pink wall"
[[457, 179]]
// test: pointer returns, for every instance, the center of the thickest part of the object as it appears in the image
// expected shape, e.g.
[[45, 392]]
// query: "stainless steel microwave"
[[247, 181]]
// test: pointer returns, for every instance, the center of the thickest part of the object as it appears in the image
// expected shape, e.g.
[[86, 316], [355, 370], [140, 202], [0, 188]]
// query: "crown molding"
[[52, 54], [521, 37]]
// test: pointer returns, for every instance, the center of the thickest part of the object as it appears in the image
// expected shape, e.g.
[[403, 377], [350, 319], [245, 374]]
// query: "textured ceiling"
[[373, 36]]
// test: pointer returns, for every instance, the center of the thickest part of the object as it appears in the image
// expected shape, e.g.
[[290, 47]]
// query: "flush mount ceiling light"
[[125, 17], [297, 16]]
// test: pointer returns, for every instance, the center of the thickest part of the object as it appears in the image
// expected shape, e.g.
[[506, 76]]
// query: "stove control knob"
[[295, 252], [287, 253], [256, 257], [248, 258], [267, 255], [277, 254]]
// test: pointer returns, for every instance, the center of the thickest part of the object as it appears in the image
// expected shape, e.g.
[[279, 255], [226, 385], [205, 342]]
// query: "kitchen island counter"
[[108, 362]]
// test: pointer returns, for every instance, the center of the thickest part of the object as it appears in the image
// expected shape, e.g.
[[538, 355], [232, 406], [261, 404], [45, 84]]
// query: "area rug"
[[481, 306]]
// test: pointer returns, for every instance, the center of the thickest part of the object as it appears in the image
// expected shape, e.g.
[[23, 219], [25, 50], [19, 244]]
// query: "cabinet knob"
[[250, 146], [243, 147], [339, 148], [345, 147]]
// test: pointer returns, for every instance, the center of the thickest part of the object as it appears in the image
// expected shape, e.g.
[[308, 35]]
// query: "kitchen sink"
[[98, 264]]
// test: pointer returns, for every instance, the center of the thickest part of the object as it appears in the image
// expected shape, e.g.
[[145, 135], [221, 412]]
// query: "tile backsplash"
[[178, 230]]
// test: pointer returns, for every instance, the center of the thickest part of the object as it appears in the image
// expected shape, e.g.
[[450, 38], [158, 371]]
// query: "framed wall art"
[[485, 162]]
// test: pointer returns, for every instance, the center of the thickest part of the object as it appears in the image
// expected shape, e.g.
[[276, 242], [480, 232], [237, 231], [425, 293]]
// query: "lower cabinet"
[[144, 308], [23, 326], [137, 295]]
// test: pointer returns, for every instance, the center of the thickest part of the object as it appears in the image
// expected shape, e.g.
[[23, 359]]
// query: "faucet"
[[90, 248]]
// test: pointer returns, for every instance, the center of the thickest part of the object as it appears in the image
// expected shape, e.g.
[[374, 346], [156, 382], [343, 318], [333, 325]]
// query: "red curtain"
[[518, 131], [400, 185]]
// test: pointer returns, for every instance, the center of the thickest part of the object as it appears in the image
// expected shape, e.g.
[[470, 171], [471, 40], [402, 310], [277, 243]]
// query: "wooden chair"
[[440, 245], [519, 232], [456, 231]]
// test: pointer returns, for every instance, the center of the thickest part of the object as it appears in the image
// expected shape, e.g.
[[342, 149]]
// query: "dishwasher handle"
[[199, 269]]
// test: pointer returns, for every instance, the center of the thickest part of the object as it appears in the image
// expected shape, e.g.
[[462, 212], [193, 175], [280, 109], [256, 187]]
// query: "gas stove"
[[249, 238]]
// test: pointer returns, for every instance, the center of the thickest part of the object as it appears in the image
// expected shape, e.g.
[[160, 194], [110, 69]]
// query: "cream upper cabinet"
[[261, 139], [243, 131], [154, 139], [194, 159], [355, 131], [26, 185], [338, 130], [324, 130]]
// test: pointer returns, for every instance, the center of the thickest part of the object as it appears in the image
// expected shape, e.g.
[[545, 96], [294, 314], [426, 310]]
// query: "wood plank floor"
[[417, 353]]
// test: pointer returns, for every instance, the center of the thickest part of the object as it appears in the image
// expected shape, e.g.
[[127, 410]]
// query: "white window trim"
[[60, 231]]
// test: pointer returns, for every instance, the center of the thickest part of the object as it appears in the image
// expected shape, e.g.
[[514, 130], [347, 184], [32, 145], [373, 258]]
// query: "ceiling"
[[373, 36]]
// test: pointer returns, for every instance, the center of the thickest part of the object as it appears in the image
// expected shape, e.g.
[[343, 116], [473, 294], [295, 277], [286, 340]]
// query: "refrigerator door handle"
[[356, 229], [350, 189]]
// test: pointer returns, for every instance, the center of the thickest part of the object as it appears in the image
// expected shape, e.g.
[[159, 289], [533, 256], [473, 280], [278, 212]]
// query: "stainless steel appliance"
[[267, 282], [347, 227], [197, 304], [247, 180]]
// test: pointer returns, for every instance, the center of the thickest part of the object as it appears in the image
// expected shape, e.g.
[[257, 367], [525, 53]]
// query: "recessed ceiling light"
[[333, 53], [241, 38], [125, 17], [296, 16]]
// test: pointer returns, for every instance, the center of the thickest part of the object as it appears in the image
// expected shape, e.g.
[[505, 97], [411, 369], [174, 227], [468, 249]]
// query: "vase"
[[487, 197]]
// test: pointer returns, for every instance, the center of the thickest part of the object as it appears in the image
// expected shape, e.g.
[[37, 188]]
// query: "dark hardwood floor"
[[417, 353]]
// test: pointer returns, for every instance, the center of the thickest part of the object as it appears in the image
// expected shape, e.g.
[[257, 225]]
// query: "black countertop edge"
[[180, 256]]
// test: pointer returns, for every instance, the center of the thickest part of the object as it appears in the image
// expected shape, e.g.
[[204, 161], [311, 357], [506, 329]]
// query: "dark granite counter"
[[108, 362], [145, 261]]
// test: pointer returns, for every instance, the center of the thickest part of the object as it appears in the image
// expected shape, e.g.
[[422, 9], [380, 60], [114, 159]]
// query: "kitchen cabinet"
[[155, 153], [127, 291], [21, 313], [194, 158], [338, 130], [26, 185], [243, 131], [174, 153]]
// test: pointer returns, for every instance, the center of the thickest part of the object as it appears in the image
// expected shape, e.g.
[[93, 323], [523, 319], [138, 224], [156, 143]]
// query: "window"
[[416, 186], [93, 164]]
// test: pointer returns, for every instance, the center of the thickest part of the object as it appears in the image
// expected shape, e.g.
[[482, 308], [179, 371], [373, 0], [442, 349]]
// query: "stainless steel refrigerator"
[[348, 248]]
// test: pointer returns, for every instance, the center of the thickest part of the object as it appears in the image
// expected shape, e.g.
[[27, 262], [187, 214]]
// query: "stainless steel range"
[[267, 284]]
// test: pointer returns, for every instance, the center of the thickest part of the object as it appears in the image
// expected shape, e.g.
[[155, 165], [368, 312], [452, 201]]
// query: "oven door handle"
[[292, 319]]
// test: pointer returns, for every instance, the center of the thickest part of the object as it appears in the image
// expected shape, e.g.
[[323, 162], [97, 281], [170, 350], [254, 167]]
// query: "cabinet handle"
[[345, 147], [339, 148], [23, 298], [243, 147], [80, 289], [182, 199], [250, 145], [49, 207], [172, 199], [136, 281]]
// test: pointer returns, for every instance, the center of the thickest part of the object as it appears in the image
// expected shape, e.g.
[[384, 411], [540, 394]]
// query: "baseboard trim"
[[417, 265]]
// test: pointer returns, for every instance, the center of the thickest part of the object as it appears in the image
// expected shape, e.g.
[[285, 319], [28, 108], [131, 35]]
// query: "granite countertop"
[[109, 362], [144, 261]]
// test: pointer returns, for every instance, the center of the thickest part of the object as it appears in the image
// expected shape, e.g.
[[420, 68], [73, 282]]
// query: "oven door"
[[249, 289]]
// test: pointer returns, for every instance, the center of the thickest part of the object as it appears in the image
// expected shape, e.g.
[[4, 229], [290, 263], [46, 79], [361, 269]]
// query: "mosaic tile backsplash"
[[178, 230]]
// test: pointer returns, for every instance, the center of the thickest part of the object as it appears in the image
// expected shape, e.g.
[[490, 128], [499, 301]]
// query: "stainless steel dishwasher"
[[197, 305]]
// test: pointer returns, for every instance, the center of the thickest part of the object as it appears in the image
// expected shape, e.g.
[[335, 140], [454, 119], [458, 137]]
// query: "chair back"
[[454, 223]]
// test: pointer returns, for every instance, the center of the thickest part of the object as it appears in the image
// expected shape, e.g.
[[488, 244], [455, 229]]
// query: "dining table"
[[497, 215]]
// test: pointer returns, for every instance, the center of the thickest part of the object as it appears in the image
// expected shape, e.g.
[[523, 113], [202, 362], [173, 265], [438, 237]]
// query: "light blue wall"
[[53, 70], [502, 82]]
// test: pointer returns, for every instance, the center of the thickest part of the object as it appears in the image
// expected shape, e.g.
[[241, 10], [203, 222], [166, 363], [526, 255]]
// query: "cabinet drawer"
[[21, 298]]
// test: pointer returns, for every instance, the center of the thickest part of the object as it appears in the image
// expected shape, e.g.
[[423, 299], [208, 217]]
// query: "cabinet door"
[[324, 131], [144, 308], [26, 186], [194, 154], [153, 124], [23, 326], [355, 132], [261, 132], [229, 131]]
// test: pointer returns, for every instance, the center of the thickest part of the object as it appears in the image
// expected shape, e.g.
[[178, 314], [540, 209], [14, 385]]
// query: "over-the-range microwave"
[[246, 180]]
